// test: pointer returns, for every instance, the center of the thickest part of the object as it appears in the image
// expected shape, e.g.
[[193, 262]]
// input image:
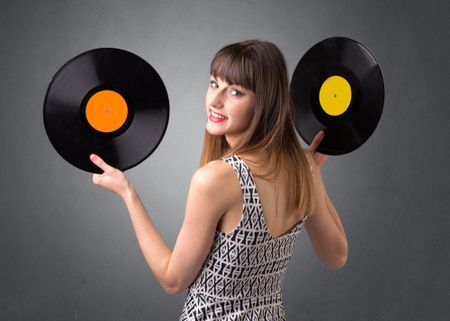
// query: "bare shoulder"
[[216, 186], [215, 175]]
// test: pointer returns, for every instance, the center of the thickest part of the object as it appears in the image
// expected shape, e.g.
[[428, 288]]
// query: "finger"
[[96, 178], [321, 158], [316, 141], [100, 162]]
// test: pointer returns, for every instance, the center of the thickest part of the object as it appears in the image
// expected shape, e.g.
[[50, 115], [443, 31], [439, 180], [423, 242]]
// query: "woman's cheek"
[[249, 115]]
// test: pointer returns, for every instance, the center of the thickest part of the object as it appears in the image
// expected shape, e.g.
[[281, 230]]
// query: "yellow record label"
[[335, 95], [106, 111]]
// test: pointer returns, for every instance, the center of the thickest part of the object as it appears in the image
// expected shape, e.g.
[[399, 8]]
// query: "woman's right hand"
[[112, 178]]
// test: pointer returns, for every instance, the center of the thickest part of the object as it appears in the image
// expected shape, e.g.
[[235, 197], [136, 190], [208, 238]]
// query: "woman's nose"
[[216, 99]]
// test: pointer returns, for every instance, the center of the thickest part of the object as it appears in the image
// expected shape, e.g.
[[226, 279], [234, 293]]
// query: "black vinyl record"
[[337, 87], [109, 102]]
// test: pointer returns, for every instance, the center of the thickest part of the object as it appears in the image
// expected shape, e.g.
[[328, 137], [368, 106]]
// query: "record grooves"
[[109, 102], [337, 86]]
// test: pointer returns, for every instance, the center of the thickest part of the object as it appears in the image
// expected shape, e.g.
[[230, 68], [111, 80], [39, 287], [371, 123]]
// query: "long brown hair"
[[260, 66]]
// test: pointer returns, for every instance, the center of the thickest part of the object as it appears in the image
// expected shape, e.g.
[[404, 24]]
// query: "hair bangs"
[[234, 66]]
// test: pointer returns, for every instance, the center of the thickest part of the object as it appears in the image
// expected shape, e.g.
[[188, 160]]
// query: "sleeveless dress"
[[241, 278]]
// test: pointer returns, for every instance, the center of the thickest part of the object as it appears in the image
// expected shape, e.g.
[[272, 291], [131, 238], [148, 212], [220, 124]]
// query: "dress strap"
[[242, 171]]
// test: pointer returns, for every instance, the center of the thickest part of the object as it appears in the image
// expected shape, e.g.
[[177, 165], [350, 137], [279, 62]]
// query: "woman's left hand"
[[315, 158], [112, 178]]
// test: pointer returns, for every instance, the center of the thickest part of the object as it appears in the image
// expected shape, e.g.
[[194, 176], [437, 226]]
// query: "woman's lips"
[[216, 119]]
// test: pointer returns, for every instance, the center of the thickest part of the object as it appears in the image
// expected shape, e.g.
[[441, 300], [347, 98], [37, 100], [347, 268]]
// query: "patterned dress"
[[241, 279]]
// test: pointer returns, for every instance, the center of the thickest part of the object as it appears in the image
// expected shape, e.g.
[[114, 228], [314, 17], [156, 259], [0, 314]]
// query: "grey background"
[[68, 249]]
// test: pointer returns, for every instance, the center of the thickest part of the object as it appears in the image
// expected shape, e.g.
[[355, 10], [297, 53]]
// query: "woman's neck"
[[259, 162]]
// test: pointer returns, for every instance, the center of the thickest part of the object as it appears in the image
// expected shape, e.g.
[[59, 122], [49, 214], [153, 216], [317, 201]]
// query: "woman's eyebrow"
[[242, 88], [228, 84]]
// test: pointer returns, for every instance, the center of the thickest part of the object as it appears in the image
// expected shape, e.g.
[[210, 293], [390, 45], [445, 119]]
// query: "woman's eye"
[[235, 92], [213, 84]]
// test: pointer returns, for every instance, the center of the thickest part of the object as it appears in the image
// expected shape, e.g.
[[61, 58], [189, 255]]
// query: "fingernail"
[[93, 157]]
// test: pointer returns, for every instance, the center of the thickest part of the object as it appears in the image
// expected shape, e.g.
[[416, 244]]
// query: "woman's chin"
[[214, 131]]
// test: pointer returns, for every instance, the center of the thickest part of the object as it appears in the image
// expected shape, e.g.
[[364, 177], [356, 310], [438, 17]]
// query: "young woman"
[[255, 190]]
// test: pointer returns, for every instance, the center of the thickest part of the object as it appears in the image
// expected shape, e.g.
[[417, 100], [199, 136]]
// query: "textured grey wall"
[[67, 247]]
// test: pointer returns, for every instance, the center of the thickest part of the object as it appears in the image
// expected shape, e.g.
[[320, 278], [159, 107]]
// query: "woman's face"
[[230, 109]]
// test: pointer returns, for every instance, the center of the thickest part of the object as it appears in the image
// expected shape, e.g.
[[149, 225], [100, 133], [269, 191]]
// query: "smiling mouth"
[[216, 118], [216, 115]]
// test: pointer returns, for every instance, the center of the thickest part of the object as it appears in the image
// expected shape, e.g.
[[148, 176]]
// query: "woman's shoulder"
[[214, 174], [216, 182]]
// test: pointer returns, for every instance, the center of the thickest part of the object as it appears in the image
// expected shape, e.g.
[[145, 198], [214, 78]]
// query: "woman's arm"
[[156, 252], [213, 191], [208, 199], [334, 213], [325, 229]]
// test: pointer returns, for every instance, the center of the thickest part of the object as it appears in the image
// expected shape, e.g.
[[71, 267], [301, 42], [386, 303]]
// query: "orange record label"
[[106, 111]]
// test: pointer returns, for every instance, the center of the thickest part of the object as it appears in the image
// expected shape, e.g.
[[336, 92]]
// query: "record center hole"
[[106, 111]]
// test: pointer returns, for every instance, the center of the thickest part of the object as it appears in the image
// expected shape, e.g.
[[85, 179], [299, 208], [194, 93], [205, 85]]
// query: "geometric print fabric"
[[241, 278]]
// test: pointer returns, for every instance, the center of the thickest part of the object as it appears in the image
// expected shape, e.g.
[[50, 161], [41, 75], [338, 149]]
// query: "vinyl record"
[[109, 102], [337, 87]]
